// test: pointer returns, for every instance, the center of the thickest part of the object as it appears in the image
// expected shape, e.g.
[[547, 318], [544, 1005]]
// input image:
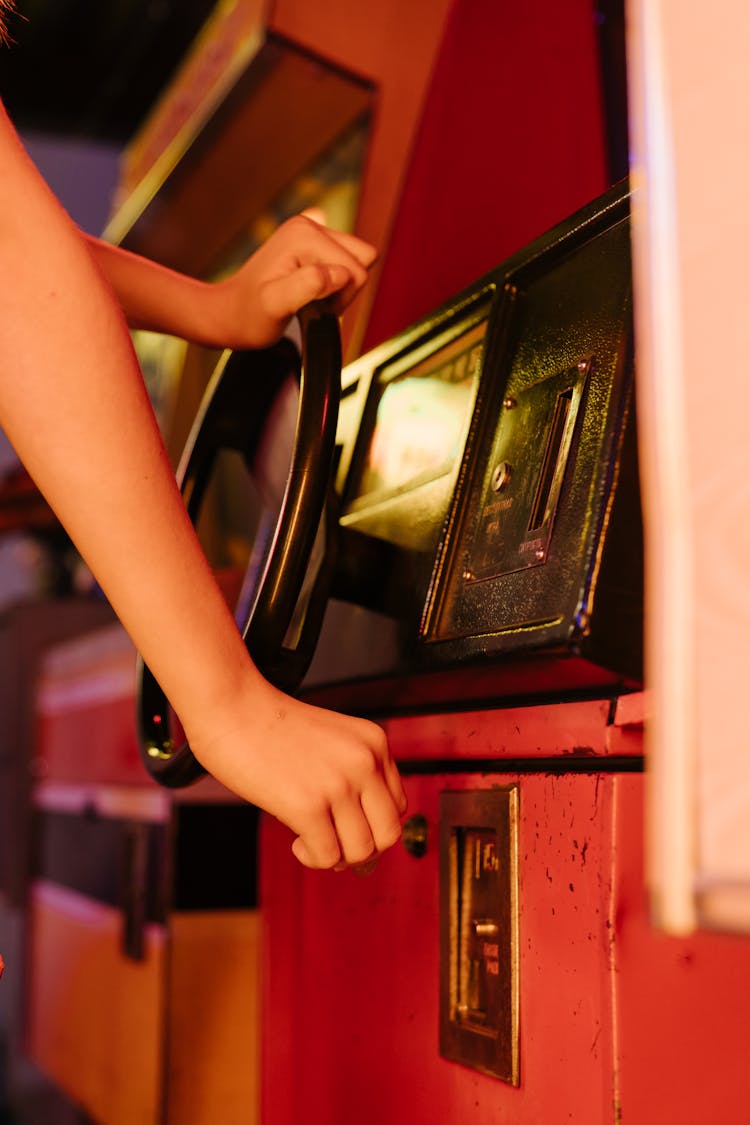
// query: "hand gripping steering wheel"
[[232, 416]]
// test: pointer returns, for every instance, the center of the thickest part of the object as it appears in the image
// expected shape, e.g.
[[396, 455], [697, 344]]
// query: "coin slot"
[[550, 464]]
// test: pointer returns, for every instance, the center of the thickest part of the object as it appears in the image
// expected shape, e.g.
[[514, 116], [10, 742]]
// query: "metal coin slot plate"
[[479, 930], [524, 476]]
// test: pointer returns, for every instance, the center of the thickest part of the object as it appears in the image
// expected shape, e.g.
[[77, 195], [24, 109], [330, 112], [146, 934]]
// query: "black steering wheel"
[[233, 416]]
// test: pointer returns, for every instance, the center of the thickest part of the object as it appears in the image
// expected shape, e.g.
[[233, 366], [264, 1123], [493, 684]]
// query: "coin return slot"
[[479, 1006]]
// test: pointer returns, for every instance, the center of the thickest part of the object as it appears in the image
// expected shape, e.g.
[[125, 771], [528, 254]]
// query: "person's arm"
[[73, 403], [302, 261]]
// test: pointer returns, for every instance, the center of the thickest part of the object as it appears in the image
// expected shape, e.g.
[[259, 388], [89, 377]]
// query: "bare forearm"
[[156, 298], [73, 403], [302, 261]]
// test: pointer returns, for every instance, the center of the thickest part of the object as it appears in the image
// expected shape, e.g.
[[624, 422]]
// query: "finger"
[[326, 253], [382, 816], [284, 296], [366, 868], [395, 785], [318, 847], [301, 243], [363, 251], [353, 831], [379, 743]]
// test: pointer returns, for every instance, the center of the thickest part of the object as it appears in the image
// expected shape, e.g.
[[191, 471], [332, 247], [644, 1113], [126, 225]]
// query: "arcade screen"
[[418, 417]]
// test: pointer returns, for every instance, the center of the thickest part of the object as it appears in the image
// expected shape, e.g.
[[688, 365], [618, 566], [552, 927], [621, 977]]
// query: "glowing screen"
[[421, 417]]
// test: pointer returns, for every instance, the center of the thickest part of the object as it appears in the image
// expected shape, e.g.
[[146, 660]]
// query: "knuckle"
[[299, 224], [378, 740], [316, 808], [366, 765], [339, 790]]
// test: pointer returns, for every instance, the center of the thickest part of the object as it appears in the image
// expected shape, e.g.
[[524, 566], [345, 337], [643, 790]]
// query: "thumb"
[[301, 852]]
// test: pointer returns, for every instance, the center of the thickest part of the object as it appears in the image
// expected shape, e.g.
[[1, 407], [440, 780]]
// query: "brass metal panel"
[[479, 1019], [523, 476], [568, 332]]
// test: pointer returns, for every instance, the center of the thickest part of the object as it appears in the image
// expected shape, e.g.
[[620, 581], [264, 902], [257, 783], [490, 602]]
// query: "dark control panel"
[[489, 529]]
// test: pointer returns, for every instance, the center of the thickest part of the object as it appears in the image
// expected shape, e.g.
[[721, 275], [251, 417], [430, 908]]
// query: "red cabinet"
[[615, 1019]]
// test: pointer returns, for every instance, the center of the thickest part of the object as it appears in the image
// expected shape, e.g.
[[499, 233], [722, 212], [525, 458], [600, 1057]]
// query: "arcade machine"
[[481, 567], [450, 542]]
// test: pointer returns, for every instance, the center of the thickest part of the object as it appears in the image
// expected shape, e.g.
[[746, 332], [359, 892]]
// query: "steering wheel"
[[233, 416]]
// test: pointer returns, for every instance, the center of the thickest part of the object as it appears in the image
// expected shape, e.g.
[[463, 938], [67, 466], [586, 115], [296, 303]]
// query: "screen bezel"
[[418, 355]]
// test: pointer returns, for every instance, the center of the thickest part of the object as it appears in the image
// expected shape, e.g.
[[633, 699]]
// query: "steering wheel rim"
[[232, 415]]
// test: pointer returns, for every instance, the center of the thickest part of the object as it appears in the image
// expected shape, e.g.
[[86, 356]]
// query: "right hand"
[[327, 776]]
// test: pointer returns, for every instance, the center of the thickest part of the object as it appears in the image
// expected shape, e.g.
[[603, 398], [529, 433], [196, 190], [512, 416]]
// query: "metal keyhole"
[[414, 835]]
